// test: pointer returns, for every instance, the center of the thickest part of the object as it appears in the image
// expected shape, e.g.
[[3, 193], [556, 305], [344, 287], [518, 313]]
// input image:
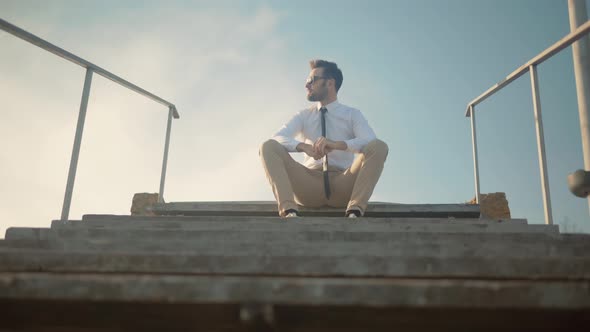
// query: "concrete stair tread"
[[269, 208], [290, 236], [371, 292], [352, 244], [408, 266], [117, 220], [563, 268], [274, 224], [206, 264]]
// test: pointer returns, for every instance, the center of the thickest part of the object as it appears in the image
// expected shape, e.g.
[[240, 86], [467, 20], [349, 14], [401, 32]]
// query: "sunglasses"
[[312, 79]]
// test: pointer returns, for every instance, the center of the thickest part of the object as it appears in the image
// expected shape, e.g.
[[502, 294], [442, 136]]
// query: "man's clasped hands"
[[321, 147]]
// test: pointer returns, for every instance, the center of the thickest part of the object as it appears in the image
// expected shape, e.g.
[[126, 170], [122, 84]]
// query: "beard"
[[313, 97], [319, 94]]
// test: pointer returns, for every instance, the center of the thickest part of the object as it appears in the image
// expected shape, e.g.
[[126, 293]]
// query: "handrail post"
[[90, 70], [541, 145], [65, 211], [474, 146], [165, 161], [581, 57]]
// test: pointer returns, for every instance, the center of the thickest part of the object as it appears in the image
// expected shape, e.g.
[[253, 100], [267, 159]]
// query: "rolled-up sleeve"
[[363, 133], [287, 133]]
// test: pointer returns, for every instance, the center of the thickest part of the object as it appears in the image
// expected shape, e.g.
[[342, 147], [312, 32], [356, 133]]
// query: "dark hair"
[[331, 70]]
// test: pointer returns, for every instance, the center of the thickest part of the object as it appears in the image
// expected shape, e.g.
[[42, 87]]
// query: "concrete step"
[[325, 232], [161, 315], [294, 235], [370, 292], [535, 268], [303, 243], [275, 224], [111, 219], [269, 208]]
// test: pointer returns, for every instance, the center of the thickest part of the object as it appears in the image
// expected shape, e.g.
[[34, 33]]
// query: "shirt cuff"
[[352, 145]]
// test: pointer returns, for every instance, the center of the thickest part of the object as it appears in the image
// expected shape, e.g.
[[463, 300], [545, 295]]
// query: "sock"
[[353, 211], [291, 210]]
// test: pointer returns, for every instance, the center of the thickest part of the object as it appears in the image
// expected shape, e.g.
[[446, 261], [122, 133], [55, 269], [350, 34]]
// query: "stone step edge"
[[532, 250], [544, 268], [217, 229], [408, 293], [297, 226], [341, 236], [310, 220]]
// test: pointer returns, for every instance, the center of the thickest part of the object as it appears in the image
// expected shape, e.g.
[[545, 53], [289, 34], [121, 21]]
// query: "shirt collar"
[[330, 107]]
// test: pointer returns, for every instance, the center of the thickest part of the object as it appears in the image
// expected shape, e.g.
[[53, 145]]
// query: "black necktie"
[[326, 179]]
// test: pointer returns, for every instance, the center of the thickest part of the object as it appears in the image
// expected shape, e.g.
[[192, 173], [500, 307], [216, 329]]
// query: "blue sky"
[[236, 70]]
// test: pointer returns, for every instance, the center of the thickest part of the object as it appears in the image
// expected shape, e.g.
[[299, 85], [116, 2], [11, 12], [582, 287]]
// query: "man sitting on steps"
[[331, 134]]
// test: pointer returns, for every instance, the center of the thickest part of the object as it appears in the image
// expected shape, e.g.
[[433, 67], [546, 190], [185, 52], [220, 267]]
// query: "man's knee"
[[268, 146], [376, 147]]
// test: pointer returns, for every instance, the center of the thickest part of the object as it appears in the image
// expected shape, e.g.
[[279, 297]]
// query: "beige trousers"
[[293, 184]]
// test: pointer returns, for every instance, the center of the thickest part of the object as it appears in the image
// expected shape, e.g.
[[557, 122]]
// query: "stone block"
[[493, 206], [142, 204]]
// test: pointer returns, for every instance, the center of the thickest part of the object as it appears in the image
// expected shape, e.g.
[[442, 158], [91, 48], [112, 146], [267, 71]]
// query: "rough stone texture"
[[142, 203], [417, 293], [234, 271], [293, 242], [308, 224], [337, 265], [493, 206], [109, 220]]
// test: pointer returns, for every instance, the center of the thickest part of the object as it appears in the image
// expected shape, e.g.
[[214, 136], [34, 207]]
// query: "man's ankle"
[[356, 212], [290, 213]]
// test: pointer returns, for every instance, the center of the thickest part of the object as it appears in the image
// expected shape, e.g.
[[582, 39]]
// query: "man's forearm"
[[301, 147]]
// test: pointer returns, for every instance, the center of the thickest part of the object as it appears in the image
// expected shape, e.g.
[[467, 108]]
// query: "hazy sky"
[[236, 71]]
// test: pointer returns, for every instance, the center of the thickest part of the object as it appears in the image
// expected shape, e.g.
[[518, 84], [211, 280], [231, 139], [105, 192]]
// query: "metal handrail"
[[90, 70], [540, 58], [530, 66]]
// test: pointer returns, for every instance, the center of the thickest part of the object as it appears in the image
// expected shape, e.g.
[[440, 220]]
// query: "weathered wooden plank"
[[268, 208], [536, 268]]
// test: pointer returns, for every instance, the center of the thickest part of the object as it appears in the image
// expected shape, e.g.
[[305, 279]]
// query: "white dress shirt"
[[343, 123]]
